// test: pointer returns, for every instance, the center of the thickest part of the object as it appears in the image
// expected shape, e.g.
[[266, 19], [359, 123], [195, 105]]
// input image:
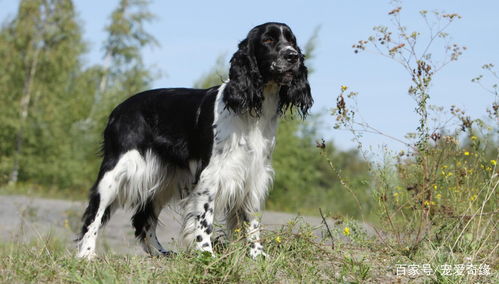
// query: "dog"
[[208, 150]]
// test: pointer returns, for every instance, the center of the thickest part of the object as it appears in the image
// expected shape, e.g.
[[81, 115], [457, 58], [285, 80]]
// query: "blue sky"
[[192, 34]]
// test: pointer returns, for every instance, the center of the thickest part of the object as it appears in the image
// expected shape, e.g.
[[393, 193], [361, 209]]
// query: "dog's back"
[[209, 148]]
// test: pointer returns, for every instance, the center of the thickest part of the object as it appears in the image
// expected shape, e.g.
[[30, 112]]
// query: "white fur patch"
[[240, 162], [239, 173], [130, 184], [138, 177]]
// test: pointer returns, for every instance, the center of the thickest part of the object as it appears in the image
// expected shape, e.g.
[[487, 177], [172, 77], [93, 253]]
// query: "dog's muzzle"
[[286, 65], [291, 56]]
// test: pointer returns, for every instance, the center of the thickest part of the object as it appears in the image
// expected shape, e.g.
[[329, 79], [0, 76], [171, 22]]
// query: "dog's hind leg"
[[101, 205], [145, 221]]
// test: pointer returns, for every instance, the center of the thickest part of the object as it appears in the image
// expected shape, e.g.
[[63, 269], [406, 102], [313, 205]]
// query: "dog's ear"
[[298, 93], [244, 91]]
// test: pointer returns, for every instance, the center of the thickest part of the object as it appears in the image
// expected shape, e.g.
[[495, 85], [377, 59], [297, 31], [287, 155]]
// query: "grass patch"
[[297, 255]]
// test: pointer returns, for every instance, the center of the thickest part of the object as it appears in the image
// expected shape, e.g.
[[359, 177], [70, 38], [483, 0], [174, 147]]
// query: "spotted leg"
[[250, 222], [253, 237], [198, 219], [251, 207]]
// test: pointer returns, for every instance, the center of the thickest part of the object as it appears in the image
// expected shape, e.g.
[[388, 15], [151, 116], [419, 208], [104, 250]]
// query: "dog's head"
[[268, 55]]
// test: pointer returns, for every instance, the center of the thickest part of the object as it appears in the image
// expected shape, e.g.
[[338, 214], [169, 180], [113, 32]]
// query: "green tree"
[[43, 48], [54, 110], [303, 180], [20, 53], [122, 74]]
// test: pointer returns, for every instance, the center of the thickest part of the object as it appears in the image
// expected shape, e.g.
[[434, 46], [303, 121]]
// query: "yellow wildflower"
[[343, 88], [435, 186], [346, 231], [474, 138], [466, 153], [438, 196], [278, 239], [237, 230], [426, 203], [473, 197], [493, 162]]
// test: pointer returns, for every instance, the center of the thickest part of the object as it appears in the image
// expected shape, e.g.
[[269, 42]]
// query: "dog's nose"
[[291, 56]]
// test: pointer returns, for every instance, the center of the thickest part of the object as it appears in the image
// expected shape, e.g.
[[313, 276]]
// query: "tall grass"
[[297, 254], [437, 201]]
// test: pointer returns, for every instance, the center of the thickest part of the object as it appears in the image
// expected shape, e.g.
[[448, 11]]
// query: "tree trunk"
[[24, 112]]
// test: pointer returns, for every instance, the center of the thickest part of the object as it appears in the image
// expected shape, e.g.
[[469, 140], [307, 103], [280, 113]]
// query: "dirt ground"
[[24, 218]]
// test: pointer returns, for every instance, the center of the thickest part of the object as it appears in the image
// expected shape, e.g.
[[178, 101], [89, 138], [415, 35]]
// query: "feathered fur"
[[208, 149]]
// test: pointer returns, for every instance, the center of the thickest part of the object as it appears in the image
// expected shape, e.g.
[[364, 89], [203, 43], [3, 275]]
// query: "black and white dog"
[[208, 149]]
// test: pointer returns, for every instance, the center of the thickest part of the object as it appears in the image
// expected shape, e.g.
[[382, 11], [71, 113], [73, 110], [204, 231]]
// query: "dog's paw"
[[256, 251], [86, 255]]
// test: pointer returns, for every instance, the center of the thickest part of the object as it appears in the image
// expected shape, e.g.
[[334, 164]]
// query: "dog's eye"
[[268, 40]]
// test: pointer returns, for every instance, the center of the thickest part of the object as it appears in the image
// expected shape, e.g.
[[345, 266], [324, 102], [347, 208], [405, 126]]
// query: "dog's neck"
[[271, 99]]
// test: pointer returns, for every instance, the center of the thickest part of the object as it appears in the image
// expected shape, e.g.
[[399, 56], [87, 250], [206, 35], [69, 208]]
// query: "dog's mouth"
[[282, 73], [286, 78]]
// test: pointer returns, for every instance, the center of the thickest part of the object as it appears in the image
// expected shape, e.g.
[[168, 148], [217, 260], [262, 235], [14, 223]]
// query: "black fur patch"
[[209, 229], [143, 219], [204, 224]]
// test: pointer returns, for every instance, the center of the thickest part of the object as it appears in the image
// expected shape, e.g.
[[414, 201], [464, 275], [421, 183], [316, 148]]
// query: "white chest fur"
[[240, 165]]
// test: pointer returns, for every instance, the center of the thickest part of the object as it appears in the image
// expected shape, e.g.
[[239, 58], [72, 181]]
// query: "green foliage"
[[122, 74], [303, 181], [54, 109], [44, 54], [438, 200]]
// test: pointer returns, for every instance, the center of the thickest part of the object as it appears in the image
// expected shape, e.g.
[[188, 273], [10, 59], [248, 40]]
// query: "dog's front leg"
[[198, 219], [253, 236]]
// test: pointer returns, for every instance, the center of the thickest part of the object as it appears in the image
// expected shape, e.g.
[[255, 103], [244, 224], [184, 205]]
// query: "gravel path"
[[24, 219]]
